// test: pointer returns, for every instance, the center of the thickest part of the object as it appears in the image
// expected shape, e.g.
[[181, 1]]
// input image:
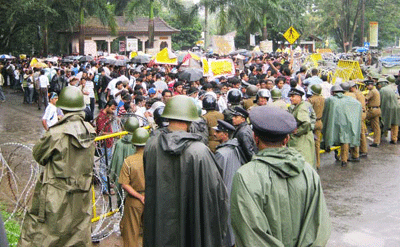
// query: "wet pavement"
[[363, 198]]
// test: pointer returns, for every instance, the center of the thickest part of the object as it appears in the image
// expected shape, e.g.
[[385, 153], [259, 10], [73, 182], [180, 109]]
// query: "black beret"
[[295, 91], [239, 111], [272, 120], [224, 126]]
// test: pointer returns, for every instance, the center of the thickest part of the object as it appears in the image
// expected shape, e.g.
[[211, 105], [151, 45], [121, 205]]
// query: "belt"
[[318, 119], [374, 107]]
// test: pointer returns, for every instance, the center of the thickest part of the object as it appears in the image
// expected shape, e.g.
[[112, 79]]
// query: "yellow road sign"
[[291, 35]]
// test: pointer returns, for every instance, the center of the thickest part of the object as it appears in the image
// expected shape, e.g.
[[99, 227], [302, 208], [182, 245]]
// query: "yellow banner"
[[373, 33], [222, 67]]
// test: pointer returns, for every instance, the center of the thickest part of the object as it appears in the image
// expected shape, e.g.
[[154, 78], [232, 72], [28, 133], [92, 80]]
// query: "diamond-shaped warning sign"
[[291, 35]]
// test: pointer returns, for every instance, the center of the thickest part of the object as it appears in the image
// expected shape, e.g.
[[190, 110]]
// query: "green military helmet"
[[345, 86], [251, 90], [316, 89], [182, 108], [382, 81], [71, 99], [140, 137], [131, 124], [391, 78], [337, 89], [276, 93]]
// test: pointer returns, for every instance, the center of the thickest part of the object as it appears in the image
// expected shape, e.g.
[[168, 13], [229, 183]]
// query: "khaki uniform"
[[355, 152], [247, 103], [374, 112], [211, 118], [318, 103], [280, 103], [132, 173], [61, 206], [350, 94]]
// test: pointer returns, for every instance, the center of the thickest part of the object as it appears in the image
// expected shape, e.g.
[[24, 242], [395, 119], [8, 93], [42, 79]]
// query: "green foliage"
[[12, 228]]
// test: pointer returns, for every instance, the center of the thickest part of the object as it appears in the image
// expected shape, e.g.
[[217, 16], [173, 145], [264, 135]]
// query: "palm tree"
[[151, 7]]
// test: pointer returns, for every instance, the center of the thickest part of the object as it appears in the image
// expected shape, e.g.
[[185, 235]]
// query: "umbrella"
[[66, 60], [86, 59], [140, 59], [191, 74], [120, 63]]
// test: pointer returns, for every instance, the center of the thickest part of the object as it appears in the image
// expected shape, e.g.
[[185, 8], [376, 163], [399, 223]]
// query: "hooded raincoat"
[[303, 139], [341, 121], [390, 108], [277, 200], [123, 149], [230, 158], [61, 205], [186, 199]]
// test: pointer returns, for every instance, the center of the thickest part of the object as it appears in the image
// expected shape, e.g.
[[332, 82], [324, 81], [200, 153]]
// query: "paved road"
[[363, 198]]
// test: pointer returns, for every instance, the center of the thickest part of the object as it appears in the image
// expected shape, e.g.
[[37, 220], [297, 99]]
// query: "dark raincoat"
[[61, 206], [341, 121], [200, 127], [230, 157], [277, 200], [390, 108], [186, 199]]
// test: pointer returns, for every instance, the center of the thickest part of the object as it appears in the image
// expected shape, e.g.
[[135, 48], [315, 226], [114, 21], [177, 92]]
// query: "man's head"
[[262, 97], [295, 96], [166, 95], [314, 72], [271, 126], [336, 89], [223, 131], [111, 106], [53, 98], [239, 116], [279, 82]]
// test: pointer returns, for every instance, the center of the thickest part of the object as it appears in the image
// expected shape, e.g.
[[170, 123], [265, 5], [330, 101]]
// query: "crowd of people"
[[227, 161]]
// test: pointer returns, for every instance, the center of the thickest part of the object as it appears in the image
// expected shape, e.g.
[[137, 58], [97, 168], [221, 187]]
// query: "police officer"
[[184, 187], [275, 182], [243, 132], [60, 213], [262, 97], [200, 127], [390, 116], [374, 111], [234, 97], [302, 139], [276, 95], [211, 117], [361, 151], [251, 92], [318, 103], [230, 157], [132, 180], [346, 88]]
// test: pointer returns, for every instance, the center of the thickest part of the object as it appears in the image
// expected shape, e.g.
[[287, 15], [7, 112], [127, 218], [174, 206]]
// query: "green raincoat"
[[341, 121], [277, 200], [303, 139], [390, 108], [61, 205], [123, 148]]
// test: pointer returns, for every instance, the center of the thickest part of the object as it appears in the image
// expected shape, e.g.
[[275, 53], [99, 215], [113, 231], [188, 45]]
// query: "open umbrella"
[[140, 59], [191, 74], [120, 63], [86, 59]]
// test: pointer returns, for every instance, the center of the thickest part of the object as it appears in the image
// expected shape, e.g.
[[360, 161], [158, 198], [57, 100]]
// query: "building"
[[99, 37]]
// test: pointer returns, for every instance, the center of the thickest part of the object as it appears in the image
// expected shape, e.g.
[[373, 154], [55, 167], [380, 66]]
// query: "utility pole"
[[362, 21]]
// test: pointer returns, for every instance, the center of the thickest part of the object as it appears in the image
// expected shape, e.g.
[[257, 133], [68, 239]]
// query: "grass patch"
[[12, 228]]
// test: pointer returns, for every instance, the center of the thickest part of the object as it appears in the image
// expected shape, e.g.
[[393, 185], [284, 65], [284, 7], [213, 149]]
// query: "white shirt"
[[50, 115], [44, 81], [160, 85], [112, 83], [90, 88]]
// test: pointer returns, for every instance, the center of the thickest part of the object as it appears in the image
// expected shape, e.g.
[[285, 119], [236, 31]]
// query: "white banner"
[[132, 44], [252, 40], [266, 46], [373, 33]]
